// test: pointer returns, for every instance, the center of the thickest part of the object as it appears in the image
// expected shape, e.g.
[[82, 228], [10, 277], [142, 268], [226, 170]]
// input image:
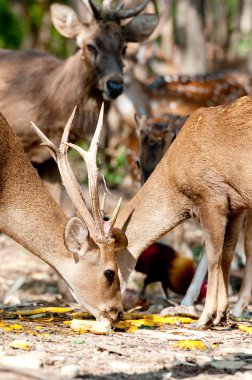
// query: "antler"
[[98, 229], [118, 13]]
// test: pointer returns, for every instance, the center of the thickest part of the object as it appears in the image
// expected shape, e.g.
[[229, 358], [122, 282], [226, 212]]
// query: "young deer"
[[205, 175], [155, 135], [35, 85], [81, 250]]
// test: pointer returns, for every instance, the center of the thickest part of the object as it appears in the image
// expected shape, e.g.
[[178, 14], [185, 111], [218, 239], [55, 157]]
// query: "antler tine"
[[72, 186], [120, 13], [90, 159], [110, 223], [95, 8]]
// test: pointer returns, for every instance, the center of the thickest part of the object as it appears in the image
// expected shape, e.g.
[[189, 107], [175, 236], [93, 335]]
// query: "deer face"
[[92, 274], [155, 137], [103, 40]]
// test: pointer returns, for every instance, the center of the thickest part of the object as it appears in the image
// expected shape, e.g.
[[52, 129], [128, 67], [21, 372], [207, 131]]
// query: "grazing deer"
[[155, 137], [37, 86], [81, 250], [205, 175]]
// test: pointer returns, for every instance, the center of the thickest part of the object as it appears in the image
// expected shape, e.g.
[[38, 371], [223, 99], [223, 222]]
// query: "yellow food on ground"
[[95, 327], [247, 329], [21, 344], [190, 345]]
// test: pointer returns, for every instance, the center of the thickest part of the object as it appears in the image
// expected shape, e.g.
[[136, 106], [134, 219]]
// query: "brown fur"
[[29, 215], [206, 174], [37, 87]]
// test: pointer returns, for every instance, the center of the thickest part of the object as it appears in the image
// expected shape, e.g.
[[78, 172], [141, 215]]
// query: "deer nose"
[[115, 87], [120, 315]]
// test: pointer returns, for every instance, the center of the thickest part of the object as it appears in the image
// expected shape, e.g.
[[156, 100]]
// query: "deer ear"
[[141, 122], [121, 240], [66, 21], [76, 234], [140, 27]]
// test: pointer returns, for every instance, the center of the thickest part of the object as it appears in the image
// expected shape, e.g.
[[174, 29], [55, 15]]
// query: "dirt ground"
[[55, 352]]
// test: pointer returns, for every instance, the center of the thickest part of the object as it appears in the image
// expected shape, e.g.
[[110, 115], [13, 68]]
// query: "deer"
[[204, 175], [35, 85], [155, 138], [155, 135], [80, 249]]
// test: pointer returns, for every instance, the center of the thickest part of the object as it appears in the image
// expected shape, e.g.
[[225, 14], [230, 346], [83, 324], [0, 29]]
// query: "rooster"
[[175, 271]]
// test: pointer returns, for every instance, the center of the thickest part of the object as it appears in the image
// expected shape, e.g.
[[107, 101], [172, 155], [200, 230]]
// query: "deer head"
[[103, 40], [155, 135], [91, 240]]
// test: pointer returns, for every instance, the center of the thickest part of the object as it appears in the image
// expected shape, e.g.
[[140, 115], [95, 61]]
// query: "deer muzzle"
[[112, 87]]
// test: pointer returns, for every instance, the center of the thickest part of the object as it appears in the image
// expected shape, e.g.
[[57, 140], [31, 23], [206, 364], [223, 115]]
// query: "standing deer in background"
[[155, 135], [206, 175], [37, 86], [81, 250]]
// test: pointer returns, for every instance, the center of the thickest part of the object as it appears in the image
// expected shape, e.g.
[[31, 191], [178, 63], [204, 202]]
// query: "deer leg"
[[231, 237], [246, 287], [213, 221]]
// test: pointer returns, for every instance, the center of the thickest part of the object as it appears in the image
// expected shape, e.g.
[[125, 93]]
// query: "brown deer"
[[184, 94], [81, 250], [40, 87], [155, 137], [205, 174]]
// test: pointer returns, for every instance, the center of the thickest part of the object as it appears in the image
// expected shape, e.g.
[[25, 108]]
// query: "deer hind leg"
[[231, 237], [213, 221], [246, 287]]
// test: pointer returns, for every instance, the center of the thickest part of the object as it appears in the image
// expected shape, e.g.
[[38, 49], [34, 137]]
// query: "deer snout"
[[114, 86], [113, 315]]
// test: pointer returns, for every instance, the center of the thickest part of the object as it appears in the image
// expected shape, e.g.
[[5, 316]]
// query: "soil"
[[58, 353]]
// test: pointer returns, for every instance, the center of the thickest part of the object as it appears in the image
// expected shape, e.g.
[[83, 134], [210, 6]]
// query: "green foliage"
[[11, 27], [115, 171], [244, 46]]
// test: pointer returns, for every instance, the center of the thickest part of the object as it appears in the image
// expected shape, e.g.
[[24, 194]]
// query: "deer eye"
[[110, 275], [92, 49]]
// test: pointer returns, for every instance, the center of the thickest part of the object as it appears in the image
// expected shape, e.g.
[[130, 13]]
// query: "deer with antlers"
[[35, 85], [82, 249]]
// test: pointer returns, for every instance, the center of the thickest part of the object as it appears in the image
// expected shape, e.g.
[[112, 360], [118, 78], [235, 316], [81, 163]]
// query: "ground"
[[54, 352]]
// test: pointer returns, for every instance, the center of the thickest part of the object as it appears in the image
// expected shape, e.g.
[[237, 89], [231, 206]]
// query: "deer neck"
[[28, 214], [157, 208], [73, 83]]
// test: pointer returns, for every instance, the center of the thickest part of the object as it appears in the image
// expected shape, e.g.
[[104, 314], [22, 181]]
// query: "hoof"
[[221, 318]]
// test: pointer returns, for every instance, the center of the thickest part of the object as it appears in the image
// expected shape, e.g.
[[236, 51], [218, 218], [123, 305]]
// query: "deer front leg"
[[246, 287], [231, 237], [213, 221]]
